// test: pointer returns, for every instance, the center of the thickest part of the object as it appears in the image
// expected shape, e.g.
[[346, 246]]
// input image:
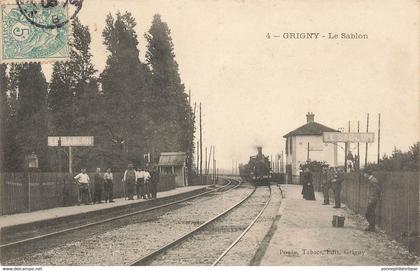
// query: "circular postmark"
[[50, 14]]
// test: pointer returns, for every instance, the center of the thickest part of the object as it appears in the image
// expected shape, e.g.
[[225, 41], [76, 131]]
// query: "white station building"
[[306, 142]]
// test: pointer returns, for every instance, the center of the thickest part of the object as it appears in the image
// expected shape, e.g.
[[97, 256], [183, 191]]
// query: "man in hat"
[[147, 184], [130, 180], [336, 186], [374, 195], [154, 179], [109, 185], [99, 186], [326, 184], [83, 185], [140, 183]]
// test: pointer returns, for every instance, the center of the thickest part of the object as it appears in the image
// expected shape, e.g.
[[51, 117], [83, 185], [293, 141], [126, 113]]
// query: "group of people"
[[103, 184], [140, 182], [333, 180]]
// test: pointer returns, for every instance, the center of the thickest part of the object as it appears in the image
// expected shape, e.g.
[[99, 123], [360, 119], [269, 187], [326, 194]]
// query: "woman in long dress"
[[308, 187]]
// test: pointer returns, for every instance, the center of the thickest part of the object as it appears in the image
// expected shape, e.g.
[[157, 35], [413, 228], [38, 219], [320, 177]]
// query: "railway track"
[[230, 184], [208, 232]]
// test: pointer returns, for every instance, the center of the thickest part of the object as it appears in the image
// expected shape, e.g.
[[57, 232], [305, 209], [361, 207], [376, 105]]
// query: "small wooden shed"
[[174, 163]]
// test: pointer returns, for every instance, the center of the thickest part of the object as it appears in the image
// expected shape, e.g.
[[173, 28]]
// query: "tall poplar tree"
[[125, 85], [74, 86], [31, 118], [4, 114], [171, 112]]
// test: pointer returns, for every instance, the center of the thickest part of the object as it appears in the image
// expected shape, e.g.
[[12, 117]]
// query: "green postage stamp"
[[33, 32]]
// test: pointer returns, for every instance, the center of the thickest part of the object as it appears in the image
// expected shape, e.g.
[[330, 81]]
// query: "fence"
[[398, 211], [26, 192]]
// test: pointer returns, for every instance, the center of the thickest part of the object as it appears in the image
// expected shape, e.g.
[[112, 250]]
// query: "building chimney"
[[310, 117], [259, 152]]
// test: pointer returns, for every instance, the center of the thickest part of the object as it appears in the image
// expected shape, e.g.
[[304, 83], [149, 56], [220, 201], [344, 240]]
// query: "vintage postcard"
[[208, 133]]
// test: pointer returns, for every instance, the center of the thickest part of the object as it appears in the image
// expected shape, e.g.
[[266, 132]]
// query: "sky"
[[254, 90]]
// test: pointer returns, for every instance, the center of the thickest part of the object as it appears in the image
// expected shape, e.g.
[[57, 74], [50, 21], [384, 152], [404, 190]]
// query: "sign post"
[[350, 137], [70, 141]]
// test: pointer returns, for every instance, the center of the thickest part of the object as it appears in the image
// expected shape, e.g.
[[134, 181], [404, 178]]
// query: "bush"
[[399, 161]]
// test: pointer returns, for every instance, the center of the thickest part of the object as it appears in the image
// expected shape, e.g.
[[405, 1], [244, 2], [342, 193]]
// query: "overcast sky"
[[254, 90]]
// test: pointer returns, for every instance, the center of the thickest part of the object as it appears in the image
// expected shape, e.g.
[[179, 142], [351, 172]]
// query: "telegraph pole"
[[379, 138], [205, 164], [201, 147], [358, 147], [208, 165], [346, 149], [198, 156], [214, 164], [307, 156], [367, 130]]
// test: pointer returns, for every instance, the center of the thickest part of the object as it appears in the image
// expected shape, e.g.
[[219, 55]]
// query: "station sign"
[[348, 137], [70, 141]]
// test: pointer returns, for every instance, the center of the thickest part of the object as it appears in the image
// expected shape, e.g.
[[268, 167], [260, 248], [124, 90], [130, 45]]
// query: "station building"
[[174, 163], [306, 143]]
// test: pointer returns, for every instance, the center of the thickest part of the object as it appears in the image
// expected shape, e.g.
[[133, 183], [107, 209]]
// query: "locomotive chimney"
[[310, 117], [259, 152]]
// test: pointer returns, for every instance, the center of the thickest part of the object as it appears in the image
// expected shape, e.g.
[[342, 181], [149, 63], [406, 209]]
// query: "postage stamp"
[[34, 32]]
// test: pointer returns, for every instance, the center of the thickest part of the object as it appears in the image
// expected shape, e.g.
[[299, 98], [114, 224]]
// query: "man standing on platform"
[[140, 183], [99, 186], [336, 186], [83, 186], [154, 180], [147, 184], [374, 195], [109, 185], [326, 184], [130, 181]]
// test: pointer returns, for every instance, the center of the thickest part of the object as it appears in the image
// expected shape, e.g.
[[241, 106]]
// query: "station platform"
[[304, 235], [62, 214]]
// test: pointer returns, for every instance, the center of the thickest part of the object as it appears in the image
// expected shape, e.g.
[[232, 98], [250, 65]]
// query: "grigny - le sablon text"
[[318, 35]]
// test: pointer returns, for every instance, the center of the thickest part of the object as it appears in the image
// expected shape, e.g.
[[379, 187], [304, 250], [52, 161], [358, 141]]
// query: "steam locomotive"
[[258, 170]]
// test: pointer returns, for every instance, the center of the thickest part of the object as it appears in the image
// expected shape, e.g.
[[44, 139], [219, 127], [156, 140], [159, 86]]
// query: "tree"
[[314, 166], [125, 85], [170, 113], [4, 114], [73, 86], [31, 117], [399, 160], [74, 100]]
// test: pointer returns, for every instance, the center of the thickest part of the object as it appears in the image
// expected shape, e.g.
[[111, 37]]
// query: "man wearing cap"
[[374, 195], [130, 180], [83, 185]]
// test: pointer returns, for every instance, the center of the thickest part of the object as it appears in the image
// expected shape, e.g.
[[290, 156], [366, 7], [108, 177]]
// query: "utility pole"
[[209, 162], [281, 162], [379, 138], [346, 150], [358, 147], [367, 130], [214, 164], [307, 156], [205, 164], [201, 148], [198, 156]]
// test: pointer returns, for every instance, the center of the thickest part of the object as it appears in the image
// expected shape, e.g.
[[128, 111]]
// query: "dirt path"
[[305, 236]]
